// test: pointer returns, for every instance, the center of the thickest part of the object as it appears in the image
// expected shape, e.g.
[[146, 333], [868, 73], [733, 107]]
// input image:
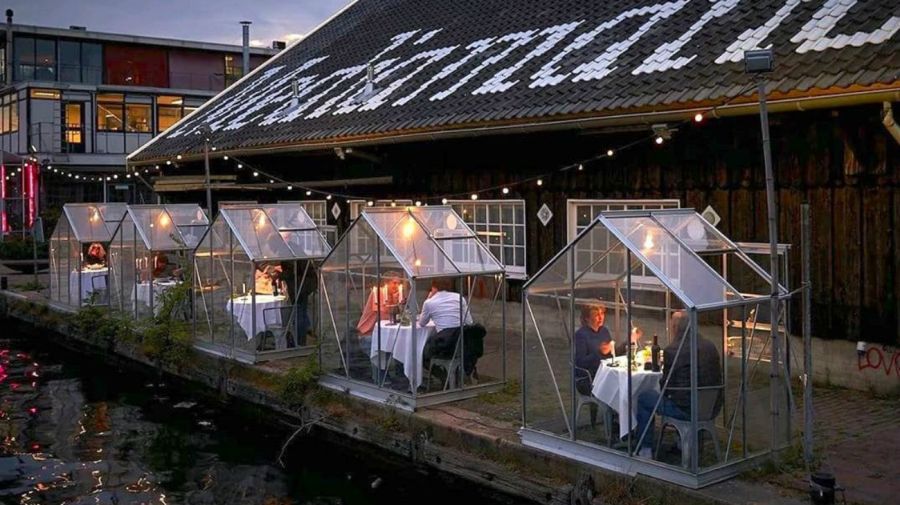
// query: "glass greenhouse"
[[414, 309], [79, 262], [710, 398], [149, 253], [255, 283]]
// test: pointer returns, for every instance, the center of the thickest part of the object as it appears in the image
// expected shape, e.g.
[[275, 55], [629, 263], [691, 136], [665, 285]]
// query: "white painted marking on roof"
[[425, 38], [752, 38], [474, 49], [814, 34], [663, 58]]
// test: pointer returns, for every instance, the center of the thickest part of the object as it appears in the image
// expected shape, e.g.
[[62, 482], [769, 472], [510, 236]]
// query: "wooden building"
[[533, 103]]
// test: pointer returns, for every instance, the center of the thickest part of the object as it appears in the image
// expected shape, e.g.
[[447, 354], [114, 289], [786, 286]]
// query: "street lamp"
[[206, 131], [759, 62]]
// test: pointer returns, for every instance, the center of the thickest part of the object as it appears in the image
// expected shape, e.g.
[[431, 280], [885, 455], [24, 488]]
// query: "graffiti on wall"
[[885, 359]]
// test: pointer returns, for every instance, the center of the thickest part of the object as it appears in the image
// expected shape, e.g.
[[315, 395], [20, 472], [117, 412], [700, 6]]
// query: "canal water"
[[75, 430]]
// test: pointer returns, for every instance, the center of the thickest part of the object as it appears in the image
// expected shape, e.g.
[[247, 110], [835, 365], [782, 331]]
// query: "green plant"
[[101, 326], [20, 248], [166, 336], [297, 382], [30, 286]]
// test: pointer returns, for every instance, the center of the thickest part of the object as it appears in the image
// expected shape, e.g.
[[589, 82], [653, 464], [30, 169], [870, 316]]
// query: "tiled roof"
[[438, 65]]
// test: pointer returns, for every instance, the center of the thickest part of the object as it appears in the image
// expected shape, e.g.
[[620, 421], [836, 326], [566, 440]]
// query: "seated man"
[[442, 307], [593, 343], [163, 269], [677, 399]]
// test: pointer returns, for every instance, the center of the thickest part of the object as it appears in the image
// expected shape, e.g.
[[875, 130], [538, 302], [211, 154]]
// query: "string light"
[[328, 197], [418, 203], [168, 162], [240, 166], [178, 157], [474, 196], [290, 188], [505, 191], [370, 203], [444, 201], [698, 117], [580, 167], [255, 173], [308, 193], [540, 182], [609, 153], [659, 140], [225, 157]]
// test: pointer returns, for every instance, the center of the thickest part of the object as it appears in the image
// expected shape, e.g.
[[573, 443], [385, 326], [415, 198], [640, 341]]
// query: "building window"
[[500, 224], [234, 69], [137, 118], [581, 214], [169, 110], [44, 94], [80, 62], [9, 113], [317, 210], [34, 59], [110, 112]]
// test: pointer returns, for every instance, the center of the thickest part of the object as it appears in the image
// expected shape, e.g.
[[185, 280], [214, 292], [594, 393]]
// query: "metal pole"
[[807, 337], [772, 212], [245, 48], [206, 173]]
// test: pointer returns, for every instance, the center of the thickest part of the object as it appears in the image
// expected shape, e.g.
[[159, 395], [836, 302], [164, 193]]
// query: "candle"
[[243, 288], [401, 293]]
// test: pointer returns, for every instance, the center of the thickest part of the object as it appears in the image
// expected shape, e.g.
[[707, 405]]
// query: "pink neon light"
[[4, 226], [31, 171]]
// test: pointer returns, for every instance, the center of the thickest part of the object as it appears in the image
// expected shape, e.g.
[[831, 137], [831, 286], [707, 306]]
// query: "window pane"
[[167, 116], [23, 48], [91, 63], [138, 117], [14, 116], [109, 115], [45, 56], [69, 61]]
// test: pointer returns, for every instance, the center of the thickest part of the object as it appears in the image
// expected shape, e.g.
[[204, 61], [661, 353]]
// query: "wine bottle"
[[654, 353]]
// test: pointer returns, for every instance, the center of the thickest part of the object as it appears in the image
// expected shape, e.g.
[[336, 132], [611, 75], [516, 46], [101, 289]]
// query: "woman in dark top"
[[593, 343]]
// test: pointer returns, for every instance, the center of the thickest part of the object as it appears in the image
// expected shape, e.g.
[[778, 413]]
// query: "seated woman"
[[593, 342], [391, 296], [267, 279], [163, 269], [95, 256]]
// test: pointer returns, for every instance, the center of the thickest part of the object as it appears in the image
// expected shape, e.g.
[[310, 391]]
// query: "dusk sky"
[[206, 20]]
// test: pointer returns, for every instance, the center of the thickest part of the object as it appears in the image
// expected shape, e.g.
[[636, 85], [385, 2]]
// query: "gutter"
[[730, 110]]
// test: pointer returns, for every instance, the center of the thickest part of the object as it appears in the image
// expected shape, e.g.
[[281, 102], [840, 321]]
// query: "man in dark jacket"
[[676, 401]]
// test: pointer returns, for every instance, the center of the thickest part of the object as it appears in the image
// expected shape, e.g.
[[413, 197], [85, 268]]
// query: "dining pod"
[[255, 283], [414, 310], [707, 400], [79, 253], [151, 252]]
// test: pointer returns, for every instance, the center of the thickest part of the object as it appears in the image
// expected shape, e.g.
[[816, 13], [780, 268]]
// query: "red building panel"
[[196, 70], [136, 66]]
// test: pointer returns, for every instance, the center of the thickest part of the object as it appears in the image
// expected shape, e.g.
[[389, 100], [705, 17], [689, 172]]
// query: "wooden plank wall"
[[842, 162]]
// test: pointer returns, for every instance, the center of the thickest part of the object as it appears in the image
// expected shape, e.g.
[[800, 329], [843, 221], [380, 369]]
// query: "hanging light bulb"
[[308, 193], [225, 157], [240, 166], [474, 196], [659, 140], [290, 188], [255, 174], [328, 197], [418, 203], [610, 152], [540, 182], [271, 181], [505, 191], [444, 201], [370, 203], [213, 148], [178, 157], [168, 162], [698, 117], [580, 167]]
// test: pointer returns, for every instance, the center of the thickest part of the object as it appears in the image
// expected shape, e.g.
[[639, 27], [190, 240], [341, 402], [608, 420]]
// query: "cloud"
[[291, 37], [257, 43]]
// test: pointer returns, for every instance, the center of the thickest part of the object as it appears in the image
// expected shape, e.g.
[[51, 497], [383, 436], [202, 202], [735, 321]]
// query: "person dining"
[[676, 402], [443, 307], [162, 268], [593, 342], [391, 296], [266, 279], [95, 256]]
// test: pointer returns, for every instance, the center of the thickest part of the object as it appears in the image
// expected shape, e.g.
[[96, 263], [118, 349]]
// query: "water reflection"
[[76, 432]]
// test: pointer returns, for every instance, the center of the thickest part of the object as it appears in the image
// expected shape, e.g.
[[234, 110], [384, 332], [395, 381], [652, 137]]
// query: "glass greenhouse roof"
[[275, 232], [168, 227], [93, 222], [668, 243], [426, 241]]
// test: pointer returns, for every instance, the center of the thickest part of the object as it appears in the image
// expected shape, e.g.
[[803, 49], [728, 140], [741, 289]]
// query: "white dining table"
[[91, 278], [611, 387], [397, 340], [142, 291], [242, 310]]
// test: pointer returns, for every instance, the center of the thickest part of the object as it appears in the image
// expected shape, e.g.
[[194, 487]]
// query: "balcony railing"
[[54, 138]]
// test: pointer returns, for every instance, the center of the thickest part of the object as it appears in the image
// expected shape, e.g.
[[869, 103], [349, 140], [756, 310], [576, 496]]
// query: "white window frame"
[[573, 207], [314, 208], [357, 206], [515, 269]]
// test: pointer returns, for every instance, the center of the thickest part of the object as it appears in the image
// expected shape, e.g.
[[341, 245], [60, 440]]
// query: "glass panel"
[[167, 116], [157, 230], [45, 60], [91, 63], [257, 234], [694, 231], [191, 222], [110, 112], [138, 117], [682, 268], [69, 61]]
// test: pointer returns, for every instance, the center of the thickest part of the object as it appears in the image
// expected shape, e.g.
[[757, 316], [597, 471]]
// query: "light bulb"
[[474, 196], [505, 191], [255, 174], [168, 162], [328, 197], [178, 157], [225, 157], [370, 203], [289, 188], [659, 140], [308, 193], [580, 167], [540, 182], [418, 203], [240, 166], [444, 201], [609, 152], [698, 117]]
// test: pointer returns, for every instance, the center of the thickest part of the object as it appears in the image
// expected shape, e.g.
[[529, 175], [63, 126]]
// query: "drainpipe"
[[245, 25], [887, 119], [9, 52]]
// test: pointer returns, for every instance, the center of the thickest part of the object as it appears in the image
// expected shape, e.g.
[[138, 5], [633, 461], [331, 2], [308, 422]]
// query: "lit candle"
[[243, 288], [401, 293]]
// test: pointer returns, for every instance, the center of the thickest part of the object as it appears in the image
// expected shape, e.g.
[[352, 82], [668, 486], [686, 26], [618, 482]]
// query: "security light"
[[758, 61]]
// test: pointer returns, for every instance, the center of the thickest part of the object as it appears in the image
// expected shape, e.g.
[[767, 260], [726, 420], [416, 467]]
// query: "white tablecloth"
[[611, 387], [142, 292], [87, 284], [241, 309], [397, 340]]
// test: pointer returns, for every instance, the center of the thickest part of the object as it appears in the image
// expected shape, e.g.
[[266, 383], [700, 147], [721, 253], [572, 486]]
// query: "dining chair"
[[595, 406], [710, 405], [279, 329]]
